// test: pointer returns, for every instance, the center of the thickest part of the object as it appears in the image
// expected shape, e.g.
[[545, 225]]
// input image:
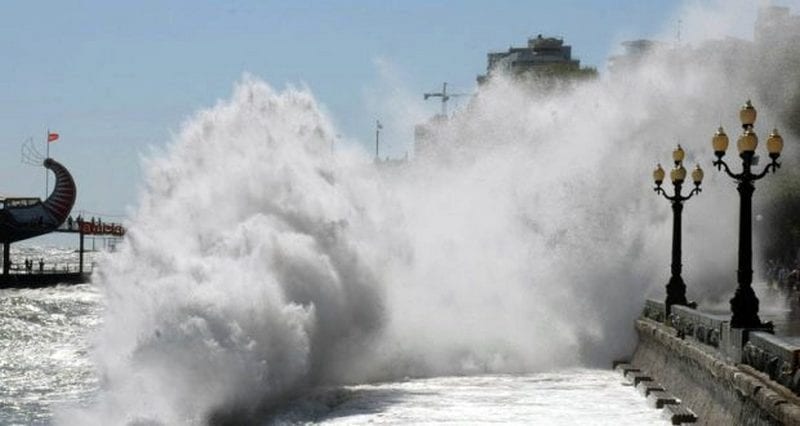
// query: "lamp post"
[[676, 289], [744, 305]]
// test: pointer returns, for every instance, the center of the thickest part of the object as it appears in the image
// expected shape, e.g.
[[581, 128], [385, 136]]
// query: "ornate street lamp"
[[744, 305], [676, 289]]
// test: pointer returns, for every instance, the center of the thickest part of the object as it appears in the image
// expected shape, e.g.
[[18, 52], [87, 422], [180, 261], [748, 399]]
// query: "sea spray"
[[259, 263], [243, 275]]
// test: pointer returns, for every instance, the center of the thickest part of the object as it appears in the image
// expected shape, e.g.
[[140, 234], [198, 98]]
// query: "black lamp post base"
[[744, 306], [676, 293]]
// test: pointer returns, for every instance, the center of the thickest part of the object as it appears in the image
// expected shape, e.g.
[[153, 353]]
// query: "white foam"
[[259, 263]]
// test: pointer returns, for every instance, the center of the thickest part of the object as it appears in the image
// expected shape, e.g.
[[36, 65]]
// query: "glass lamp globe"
[[678, 154], [658, 175], [678, 174], [720, 142], [697, 175], [747, 142], [774, 144], [747, 115]]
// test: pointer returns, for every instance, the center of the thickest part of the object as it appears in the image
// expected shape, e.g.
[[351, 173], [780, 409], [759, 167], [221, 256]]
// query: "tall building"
[[544, 60], [543, 56]]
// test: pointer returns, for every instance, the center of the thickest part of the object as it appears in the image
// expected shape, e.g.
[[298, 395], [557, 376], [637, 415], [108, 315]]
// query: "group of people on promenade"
[[29, 265]]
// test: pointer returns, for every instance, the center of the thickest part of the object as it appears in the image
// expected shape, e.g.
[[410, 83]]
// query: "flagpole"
[[46, 172], [377, 137]]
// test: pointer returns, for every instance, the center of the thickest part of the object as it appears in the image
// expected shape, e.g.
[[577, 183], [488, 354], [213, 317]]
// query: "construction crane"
[[445, 97]]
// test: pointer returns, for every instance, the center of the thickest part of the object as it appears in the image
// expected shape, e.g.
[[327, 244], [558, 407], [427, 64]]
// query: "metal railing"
[[52, 268]]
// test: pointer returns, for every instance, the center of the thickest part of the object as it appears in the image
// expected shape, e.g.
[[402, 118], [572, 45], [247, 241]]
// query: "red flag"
[[52, 137]]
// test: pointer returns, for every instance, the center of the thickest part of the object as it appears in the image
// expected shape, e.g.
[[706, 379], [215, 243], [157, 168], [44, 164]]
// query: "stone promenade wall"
[[718, 391]]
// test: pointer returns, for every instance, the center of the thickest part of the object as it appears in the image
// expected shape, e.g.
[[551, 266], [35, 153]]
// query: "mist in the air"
[[261, 263]]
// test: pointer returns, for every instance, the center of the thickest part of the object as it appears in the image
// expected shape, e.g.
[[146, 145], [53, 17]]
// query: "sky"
[[117, 79]]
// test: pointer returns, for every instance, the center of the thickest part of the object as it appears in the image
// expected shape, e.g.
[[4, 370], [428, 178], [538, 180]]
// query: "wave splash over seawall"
[[259, 263], [262, 263], [245, 274]]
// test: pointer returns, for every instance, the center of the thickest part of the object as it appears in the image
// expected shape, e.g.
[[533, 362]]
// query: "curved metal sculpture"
[[23, 218]]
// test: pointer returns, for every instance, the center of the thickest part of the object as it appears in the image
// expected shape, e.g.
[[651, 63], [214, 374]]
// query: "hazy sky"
[[116, 78]]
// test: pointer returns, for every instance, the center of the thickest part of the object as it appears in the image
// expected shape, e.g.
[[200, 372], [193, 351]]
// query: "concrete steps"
[[657, 396]]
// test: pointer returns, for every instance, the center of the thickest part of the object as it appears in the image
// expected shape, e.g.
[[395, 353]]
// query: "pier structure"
[[22, 218], [45, 273]]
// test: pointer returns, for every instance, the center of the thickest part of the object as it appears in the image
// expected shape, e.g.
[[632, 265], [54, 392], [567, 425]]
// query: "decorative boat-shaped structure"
[[27, 217], [23, 218]]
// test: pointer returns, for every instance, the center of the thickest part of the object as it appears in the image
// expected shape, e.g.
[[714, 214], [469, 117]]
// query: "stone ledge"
[[704, 327], [655, 310], [776, 356], [747, 385]]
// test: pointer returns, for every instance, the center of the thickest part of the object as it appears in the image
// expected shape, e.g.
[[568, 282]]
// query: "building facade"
[[543, 56]]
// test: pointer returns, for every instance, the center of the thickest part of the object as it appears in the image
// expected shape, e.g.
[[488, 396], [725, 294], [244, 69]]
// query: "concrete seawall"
[[718, 390]]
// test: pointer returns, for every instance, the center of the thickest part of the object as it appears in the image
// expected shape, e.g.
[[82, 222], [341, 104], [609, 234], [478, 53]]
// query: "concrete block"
[[733, 340], [784, 349], [658, 399], [701, 326], [618, 362], [678, 414], [647, 386], [654, 310], [636, 377], [626, 368]]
